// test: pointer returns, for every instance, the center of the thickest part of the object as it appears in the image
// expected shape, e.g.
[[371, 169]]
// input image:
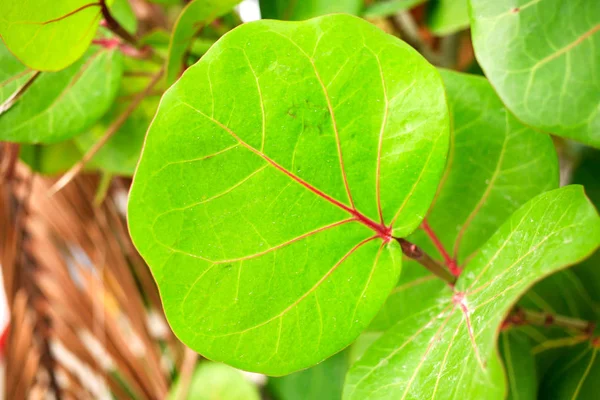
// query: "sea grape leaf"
[[293, 10], [323, 381], [541, 57], [275, 170], [519, 364], [49, 35], [506, 163], [447, 16], [449, 350], [574, 376], [194, 17], [213, 381], [385, 8], [58, 105]]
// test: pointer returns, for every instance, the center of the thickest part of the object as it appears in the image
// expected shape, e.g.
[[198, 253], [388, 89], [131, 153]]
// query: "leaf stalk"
[[414, 252]]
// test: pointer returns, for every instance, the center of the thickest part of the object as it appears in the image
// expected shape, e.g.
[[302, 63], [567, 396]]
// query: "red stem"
[[449, 261]]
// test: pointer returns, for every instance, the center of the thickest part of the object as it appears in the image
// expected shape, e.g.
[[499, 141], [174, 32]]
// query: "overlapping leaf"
[[447, 16], [293, 10], [449, 350], [506, 164], [192, 19], [275, 170], [58, 105], [541, 57], [49, 35]]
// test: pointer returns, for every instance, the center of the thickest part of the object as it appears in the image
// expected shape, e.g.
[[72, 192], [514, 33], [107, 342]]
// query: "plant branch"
[[112, 129], [521, 316], [414, 252], [8, 103], [449, 261]]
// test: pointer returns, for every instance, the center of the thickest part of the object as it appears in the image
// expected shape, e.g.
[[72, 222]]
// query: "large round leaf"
[[542, 58], [272, 178], [49, 35]]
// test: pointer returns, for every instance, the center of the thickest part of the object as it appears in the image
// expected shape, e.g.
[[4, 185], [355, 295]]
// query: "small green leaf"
[[212, 381], [58, 105], [541, 57], [449, 350], [323, 381], [121, 10], [519, 364], [294, 10], [385, 8], [49, 35], [275, 170], [447, 16], [574, 376], [192, 19]]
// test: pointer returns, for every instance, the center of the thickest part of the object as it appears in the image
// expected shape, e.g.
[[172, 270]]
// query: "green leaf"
[[495, 165], [49, 35], [574, 376], [212, 381], [58, 105], [544, 67], [50, 159], [447, 16], [449, 350], [323, 381], [294, 10], [258, 196], [121, 10], [192, 19], [519, 364], [386, 8]]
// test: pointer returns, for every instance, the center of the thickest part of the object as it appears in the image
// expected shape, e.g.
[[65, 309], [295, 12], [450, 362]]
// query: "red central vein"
[[382, 231], [449, 261], [70, 13]]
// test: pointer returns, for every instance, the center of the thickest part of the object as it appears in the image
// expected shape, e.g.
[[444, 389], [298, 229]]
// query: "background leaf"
[[385, 8], [519, 364], [540, 56], [449, 350], [447, 16], [257, 206], [58, 105], [294, 10], [49, 35]]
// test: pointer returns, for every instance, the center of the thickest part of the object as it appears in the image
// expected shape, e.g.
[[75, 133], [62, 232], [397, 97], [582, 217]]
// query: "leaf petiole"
[[414, 252]]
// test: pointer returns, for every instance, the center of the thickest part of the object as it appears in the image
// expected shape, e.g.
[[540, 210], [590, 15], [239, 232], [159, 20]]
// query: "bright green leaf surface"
[[449, 350], [519, 364], [447, 16], [542, 58], [295, 10], [323, 381], [386, 8], [506, 164], [192, 19], [258, 197], [49, 35], [214, 381], [58, 105], [575, 376]]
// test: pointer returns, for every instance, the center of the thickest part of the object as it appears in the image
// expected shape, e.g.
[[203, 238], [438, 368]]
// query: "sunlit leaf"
[[519, 364], [295, 10], [449, 350], [542, 58], [49, 35], [214, 381], [58, 105], [192, 20], [275, 170]]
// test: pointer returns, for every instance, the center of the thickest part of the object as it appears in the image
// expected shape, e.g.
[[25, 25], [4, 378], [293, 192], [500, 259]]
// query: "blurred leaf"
[[49, 35], [240, 202], [385, 8], [520, 366], [323, 381], [541, 56], [456, 339], [295, 10], [59, 105], [212, 381], [121, 10], [575, 376], [51, 159], [447, 16], [194, 17]]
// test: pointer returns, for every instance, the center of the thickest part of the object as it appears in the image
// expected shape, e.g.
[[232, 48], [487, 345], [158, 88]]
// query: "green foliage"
[[520, 366], [49, 35], [448, 16], [544, 67], [58, 105], [389, 7], [301, 10]]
